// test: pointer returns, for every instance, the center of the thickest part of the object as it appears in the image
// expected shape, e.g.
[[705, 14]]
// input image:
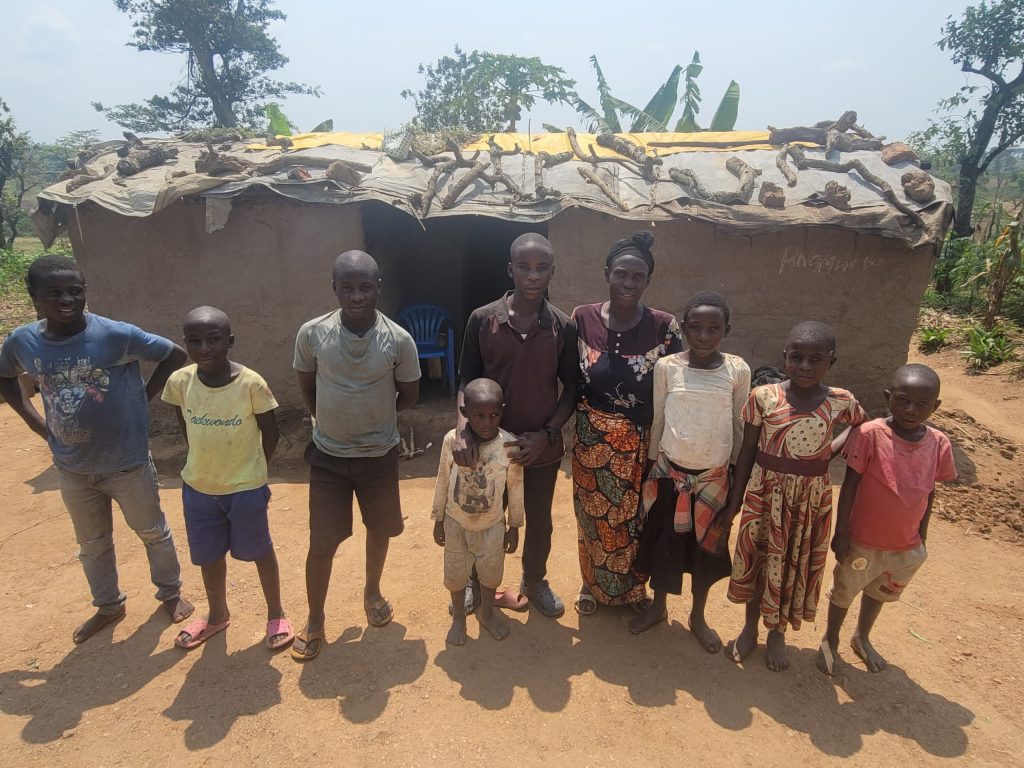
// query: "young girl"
[[696, 435], [787, 505]]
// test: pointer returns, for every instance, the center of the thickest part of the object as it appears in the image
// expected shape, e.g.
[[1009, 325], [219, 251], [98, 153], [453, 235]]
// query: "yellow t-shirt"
[[225, 452]]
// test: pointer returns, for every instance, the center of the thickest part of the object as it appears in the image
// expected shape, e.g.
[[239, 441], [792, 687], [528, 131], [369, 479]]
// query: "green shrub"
[[933, 338], [988, 348]]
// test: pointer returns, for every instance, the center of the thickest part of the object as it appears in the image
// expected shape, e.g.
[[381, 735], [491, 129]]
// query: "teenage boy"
[[96, 423], [356, 370], [528, 346]]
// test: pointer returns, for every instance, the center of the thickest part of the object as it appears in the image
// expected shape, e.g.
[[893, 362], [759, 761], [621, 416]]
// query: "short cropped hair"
[[812, 332], [46, 265], [916, 372], [483, 390], [707, 299]]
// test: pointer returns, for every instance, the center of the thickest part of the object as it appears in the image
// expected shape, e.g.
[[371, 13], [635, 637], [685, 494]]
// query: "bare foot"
[[650, 618], [737, 650], [705, 635], [828, 658], [775, 654], [178, 609], [457, 632], [494, 622], [95, 623], [867, 653]]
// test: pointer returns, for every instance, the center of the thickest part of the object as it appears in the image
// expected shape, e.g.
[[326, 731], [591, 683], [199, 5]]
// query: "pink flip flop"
[[199, 631], [512, 599], [279, 627]]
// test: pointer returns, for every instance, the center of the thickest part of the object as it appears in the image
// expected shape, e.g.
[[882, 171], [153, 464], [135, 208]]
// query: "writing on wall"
[[793, 259]]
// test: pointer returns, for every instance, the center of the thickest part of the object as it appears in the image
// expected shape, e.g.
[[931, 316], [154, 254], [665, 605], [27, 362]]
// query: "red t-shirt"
[[897, 477]]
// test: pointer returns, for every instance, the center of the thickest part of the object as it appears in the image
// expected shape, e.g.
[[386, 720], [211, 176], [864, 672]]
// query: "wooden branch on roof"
[[834, 140], [287, 161], [146, 157], [885, 190], [213, 163], [783, 166], [592, 177], [544, 160], [432, 183], [819, 133], [629, 165], [458, 187], [741, 170], [460, 161], [633, 151], [499, 176]]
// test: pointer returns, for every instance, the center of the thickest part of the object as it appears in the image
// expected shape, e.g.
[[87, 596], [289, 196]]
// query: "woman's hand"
[[531, 445]]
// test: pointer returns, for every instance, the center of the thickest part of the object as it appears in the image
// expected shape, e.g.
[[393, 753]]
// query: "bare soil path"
[[578, 691]]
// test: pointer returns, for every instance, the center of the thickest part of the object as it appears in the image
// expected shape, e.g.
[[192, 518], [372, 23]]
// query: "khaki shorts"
[[880, 574], [464, 549]]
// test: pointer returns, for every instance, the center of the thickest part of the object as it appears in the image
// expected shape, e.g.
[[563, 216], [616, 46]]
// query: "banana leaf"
[[604, 92], [642, 121], [593, 120], [728, 108], [279, 124], [663, 103], [325, 127]]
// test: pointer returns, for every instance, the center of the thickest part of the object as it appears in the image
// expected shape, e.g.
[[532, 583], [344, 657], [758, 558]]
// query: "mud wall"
[[269, 268], [866, 287]]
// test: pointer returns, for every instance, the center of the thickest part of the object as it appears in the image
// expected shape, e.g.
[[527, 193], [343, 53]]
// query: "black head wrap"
[[639, 244]]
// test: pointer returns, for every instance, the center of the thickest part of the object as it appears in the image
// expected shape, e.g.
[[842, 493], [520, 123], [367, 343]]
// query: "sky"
[[796, 62]]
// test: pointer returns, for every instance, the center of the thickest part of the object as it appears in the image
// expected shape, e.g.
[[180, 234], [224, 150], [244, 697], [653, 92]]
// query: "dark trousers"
[[538, 491]]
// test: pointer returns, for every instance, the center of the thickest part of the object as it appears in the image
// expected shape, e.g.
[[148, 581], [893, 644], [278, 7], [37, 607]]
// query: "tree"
[[14, 145], [657, 114], [987, 41], [228, 54], [484, 92]]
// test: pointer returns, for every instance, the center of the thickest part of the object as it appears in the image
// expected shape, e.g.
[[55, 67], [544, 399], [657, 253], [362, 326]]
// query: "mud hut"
[[824, 222]]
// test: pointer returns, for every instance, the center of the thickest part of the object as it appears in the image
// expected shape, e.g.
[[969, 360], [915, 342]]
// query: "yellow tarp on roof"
[[553, 143]]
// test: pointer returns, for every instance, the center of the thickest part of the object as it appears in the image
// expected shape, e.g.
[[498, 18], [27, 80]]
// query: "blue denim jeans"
[[88, 500]]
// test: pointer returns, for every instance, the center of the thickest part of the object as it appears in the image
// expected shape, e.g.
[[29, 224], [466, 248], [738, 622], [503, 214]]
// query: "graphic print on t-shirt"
[[475, 488], [65, 388]]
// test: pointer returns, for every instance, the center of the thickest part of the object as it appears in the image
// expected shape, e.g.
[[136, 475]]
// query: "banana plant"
[[656, 116]]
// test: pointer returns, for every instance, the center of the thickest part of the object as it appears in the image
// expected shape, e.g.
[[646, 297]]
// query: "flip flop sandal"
[[308, 638], [277, 627], [471, 599], [513, 600], [199, 631], [379, 612], [585, 604]]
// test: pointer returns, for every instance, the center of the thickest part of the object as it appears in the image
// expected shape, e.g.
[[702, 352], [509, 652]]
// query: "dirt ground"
[[579, 691]]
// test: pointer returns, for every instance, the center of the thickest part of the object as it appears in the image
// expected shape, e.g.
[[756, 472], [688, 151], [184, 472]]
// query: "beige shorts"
[[464, 549], [880, 574]]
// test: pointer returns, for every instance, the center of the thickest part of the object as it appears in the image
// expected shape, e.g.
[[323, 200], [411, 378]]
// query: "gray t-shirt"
[[355, 382]]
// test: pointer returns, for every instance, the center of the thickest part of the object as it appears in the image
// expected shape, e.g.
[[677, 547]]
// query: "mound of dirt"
[[987, 494]]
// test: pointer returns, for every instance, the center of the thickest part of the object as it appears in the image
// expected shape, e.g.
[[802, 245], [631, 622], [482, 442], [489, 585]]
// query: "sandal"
[[378, 612], [198, 632], [512, 599], [277, 627], [471, 598], [308, 638], [586, 604]]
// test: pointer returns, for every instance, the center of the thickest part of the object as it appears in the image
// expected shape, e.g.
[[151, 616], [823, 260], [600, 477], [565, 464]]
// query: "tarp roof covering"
[[406, 184]]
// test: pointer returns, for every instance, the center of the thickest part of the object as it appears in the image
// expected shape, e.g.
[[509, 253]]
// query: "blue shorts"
[[235, 522]]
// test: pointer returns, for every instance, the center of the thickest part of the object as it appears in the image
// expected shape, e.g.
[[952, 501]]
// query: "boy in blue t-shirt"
[[96, 423]]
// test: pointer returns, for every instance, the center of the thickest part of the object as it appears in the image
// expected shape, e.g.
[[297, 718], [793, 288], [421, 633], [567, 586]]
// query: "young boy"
[[226, 412], [97, 426], [469, 521], [528, 346], [356, 369], [884, 508]]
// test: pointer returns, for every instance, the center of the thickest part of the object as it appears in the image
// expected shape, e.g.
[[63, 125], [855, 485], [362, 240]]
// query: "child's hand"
[[727, 514], [511, 540], [841, 546], [439, 533]]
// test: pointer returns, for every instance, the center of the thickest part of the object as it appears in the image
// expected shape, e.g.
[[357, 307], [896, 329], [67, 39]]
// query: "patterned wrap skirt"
[[608, 460]]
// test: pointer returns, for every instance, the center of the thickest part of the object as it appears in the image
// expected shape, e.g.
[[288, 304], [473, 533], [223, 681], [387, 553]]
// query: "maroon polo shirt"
[[528, 369]]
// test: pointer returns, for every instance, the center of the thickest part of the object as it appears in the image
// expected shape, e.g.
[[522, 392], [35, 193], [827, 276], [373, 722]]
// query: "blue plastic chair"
[[425, 323]]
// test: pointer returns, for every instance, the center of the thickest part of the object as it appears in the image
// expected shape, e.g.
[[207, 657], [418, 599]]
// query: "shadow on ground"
[[657, 668]]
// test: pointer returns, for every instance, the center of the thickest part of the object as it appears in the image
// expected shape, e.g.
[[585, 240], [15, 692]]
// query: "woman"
[[620, 340]]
